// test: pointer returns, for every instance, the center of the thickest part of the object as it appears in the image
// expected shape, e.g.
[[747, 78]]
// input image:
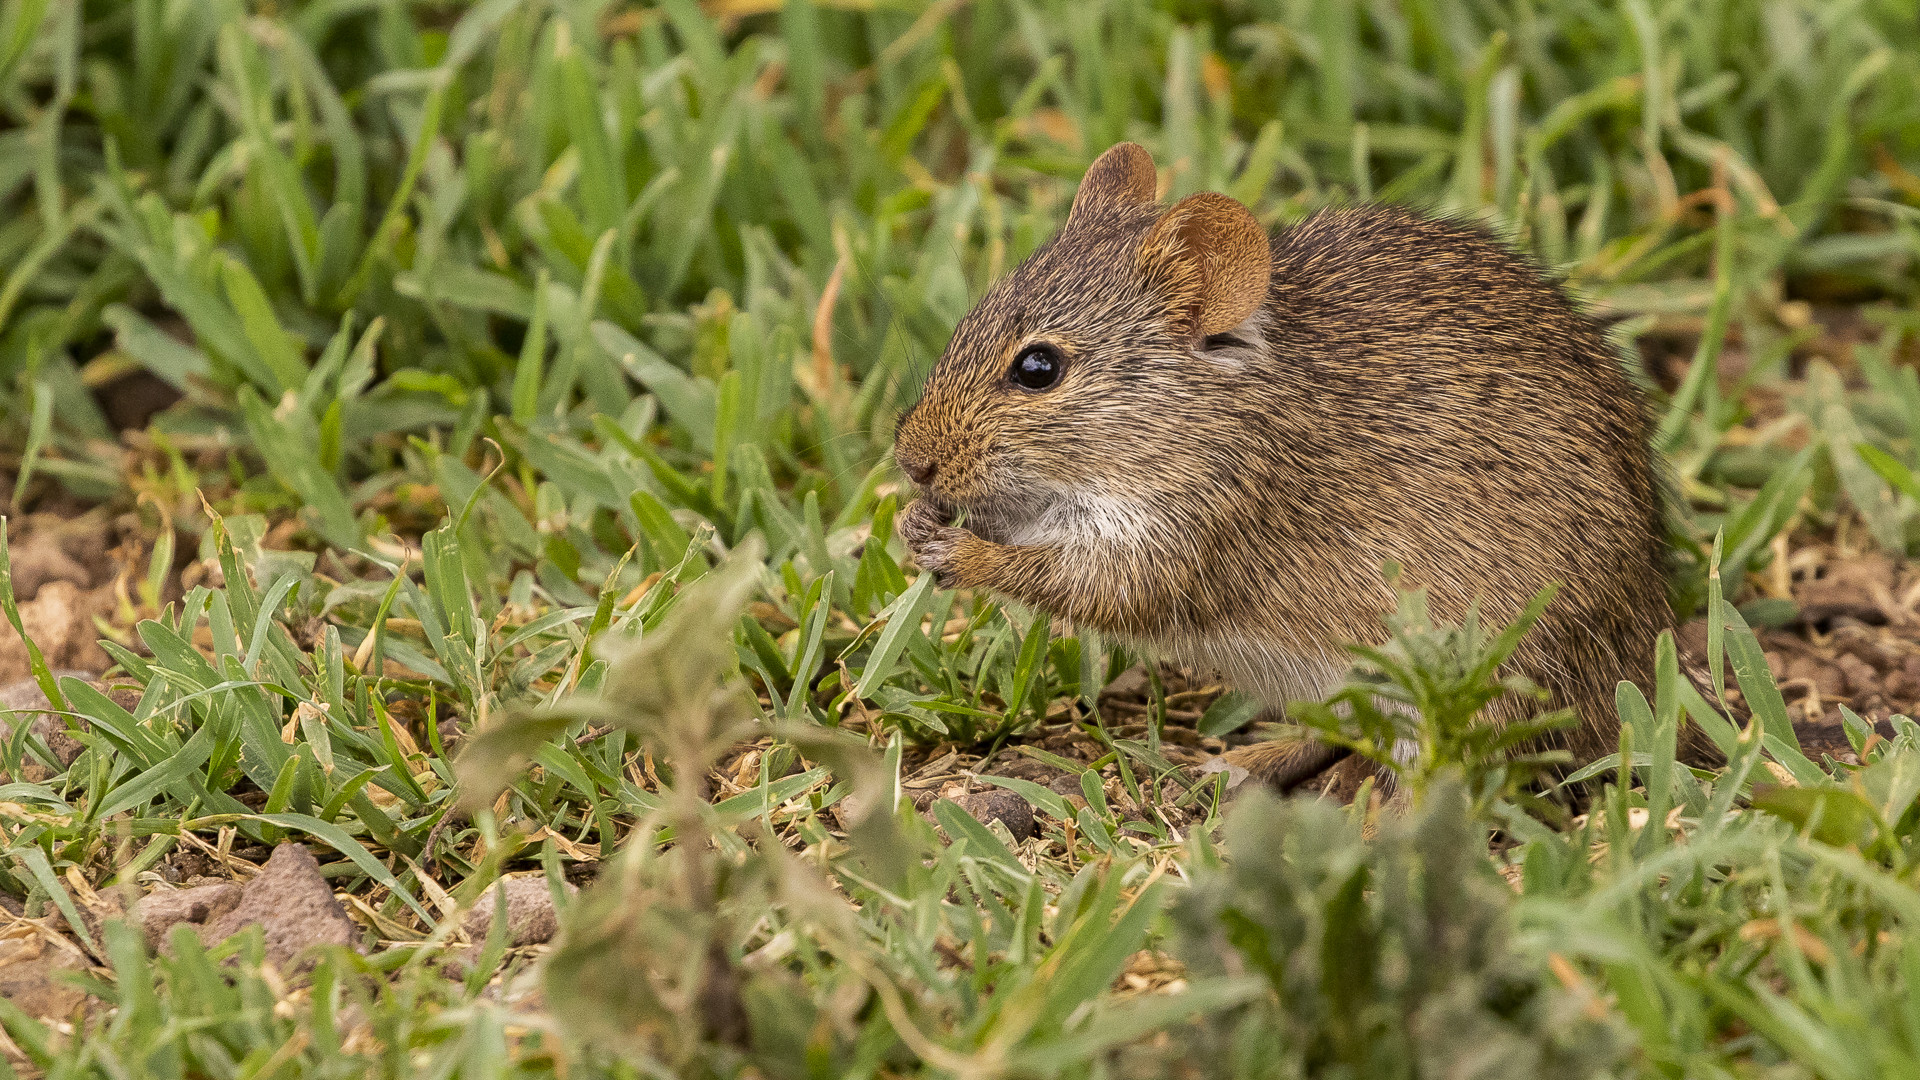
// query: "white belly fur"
[[1271, 672], [1082, 522]]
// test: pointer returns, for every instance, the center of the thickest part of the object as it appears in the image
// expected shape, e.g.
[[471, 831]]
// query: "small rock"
[[158, 912], [1902, 687], [1868, 650], [1861, 678], [60, 621], [849, 810], [105, 906], [294, 903], [531, 917], [1000, 805], [39, 559]]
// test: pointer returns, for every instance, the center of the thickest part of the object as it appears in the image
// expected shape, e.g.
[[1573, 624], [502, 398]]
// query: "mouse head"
[[1083, 371]]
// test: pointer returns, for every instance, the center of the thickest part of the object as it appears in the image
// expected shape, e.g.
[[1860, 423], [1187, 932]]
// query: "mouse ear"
[[1210, 260], [1120, 178]]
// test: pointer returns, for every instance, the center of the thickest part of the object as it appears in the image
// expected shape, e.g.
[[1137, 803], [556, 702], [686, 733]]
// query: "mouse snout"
[[919, 471]]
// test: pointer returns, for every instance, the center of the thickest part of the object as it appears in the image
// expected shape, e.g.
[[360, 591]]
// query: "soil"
[[1855, 642], [33, 958]]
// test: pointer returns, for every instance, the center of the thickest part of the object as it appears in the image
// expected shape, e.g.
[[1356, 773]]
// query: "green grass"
[[519, 345]]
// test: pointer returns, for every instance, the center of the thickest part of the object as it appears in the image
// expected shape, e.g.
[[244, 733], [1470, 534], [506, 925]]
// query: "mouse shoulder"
[[1383, 241], [1382, 266]]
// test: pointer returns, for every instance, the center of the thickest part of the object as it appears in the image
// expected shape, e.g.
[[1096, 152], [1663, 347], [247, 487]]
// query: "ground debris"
[[1854, 640]]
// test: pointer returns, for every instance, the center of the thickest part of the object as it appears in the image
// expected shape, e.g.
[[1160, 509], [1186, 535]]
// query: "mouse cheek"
[[956, 481]]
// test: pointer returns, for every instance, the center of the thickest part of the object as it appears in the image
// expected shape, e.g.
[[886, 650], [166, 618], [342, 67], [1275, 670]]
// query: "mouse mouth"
[[1003, 520]]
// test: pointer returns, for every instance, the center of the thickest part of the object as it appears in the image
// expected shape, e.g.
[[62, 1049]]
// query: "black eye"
[[1037, 367]]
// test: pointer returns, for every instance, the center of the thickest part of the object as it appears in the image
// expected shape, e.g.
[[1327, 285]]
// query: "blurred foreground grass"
[[431, 353]]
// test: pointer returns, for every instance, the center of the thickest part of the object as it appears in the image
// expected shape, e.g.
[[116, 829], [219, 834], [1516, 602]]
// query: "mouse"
[[1175, 429]]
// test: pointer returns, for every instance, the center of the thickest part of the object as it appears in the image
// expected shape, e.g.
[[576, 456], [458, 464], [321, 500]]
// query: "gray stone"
[[295, 905], [1000, 805], [531, 916], [158, 912]]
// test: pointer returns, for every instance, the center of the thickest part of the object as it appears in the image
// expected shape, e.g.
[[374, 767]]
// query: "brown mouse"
[[1170, 427]]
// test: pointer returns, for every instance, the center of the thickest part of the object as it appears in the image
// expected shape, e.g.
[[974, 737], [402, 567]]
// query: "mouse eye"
[[1037, 367]]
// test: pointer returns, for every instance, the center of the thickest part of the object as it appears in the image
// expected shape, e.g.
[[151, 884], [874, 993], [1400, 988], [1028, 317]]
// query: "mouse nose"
[[920, 472]]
